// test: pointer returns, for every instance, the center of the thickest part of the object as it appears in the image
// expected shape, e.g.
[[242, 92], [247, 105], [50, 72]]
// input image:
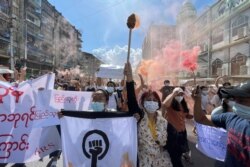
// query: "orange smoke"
[[167, 63]]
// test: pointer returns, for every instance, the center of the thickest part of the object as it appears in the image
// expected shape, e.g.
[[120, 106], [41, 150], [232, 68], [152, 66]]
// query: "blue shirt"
[[238, 142]]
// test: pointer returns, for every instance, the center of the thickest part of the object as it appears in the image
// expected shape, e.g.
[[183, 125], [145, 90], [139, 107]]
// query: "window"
[[4, 6], [33, 19], [238, 24], [218, 36], [15, 11], [215, 65], [236, 62]]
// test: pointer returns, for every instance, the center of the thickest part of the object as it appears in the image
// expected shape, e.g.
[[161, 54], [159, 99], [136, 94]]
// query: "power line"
[[103, 9]]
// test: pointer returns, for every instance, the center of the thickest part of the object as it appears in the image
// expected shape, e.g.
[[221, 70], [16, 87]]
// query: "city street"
[[198, 158]]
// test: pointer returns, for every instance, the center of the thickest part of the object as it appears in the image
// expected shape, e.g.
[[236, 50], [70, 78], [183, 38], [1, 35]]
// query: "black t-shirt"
[[166, 90]]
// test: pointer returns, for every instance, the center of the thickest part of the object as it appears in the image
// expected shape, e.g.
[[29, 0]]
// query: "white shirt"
[[204, 102], [112, 104], [216, 101]]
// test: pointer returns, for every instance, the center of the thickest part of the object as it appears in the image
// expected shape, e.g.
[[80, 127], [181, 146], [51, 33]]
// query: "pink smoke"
[[167, 63], [190, 59]]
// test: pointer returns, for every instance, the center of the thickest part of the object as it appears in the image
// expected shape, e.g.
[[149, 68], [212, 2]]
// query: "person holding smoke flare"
[[152, 133]]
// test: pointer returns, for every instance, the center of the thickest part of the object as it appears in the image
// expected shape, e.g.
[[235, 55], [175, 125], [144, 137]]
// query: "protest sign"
[[50, 102], [212, 141], [19, 141], [110, 71], [99, 139]]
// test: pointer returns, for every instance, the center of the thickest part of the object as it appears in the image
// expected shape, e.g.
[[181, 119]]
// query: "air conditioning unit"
[[243, 70], [242, 32]]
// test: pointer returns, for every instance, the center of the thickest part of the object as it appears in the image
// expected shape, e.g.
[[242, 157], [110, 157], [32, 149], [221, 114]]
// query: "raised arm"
[[132, 102], [199, 115], [217, 81], [168, 101]]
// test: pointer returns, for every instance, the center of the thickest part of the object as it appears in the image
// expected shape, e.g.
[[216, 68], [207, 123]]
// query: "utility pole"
[[11, 37]]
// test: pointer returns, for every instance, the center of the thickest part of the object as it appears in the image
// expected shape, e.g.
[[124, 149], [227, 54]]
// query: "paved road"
[[198, 158]]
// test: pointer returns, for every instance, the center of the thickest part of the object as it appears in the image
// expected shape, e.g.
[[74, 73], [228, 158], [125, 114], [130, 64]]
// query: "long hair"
[[176, 106], [149, 93]]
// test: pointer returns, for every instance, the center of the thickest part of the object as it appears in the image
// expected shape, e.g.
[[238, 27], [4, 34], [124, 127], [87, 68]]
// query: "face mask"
[[97, 106], [242, 110], [204, 92], [110, 89], [151, 106], [179, 98], [231, 103], [166, 84]]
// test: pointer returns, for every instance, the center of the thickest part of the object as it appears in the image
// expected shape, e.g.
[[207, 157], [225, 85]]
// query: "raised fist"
[[95, 147]]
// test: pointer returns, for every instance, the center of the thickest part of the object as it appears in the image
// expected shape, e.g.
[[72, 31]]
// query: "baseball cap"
[[178, 89], [242, 90]]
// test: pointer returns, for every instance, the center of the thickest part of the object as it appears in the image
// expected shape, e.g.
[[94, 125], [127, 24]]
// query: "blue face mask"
[[97, 106], [110, 89], [242, 110]]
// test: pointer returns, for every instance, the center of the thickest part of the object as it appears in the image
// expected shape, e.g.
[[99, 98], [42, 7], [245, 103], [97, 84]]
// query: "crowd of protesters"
[[162, 134]]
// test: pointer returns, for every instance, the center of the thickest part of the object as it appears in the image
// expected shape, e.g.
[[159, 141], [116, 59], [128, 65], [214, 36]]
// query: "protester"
[[90, 87], [114, 102], [237, 124], [227, 103], [166, 89], [204, 98], [216, 100], [176, 111], [152, 132]]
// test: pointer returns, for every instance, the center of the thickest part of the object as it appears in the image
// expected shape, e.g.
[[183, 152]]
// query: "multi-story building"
[[223, 34], [37, 36], [9, 16], [222, 31], [156, 39], [89, 64]]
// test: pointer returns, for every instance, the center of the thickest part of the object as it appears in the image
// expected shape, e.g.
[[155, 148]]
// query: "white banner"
[[19, 141], [50, 102], [109, 71], [26, 145], [212, 141], [102, 142], [46, 82]]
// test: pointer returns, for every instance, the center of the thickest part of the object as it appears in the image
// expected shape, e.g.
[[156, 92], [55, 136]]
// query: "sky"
[[103, 23]]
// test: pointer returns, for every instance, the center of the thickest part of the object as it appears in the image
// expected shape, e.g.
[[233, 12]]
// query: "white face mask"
[[166, 84], [151, 106], [110, 89], [178, 98], [242, 110]]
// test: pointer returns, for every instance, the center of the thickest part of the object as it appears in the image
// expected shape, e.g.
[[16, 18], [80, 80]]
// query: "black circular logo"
[[95, 149]]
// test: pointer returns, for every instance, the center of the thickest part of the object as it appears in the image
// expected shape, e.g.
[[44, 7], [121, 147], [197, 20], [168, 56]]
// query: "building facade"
[[89, 64], [157, 37], [35, 34], [223, 34], [9, 21]]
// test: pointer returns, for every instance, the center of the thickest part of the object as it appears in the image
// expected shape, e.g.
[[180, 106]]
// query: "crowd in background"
[[162, 134]]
